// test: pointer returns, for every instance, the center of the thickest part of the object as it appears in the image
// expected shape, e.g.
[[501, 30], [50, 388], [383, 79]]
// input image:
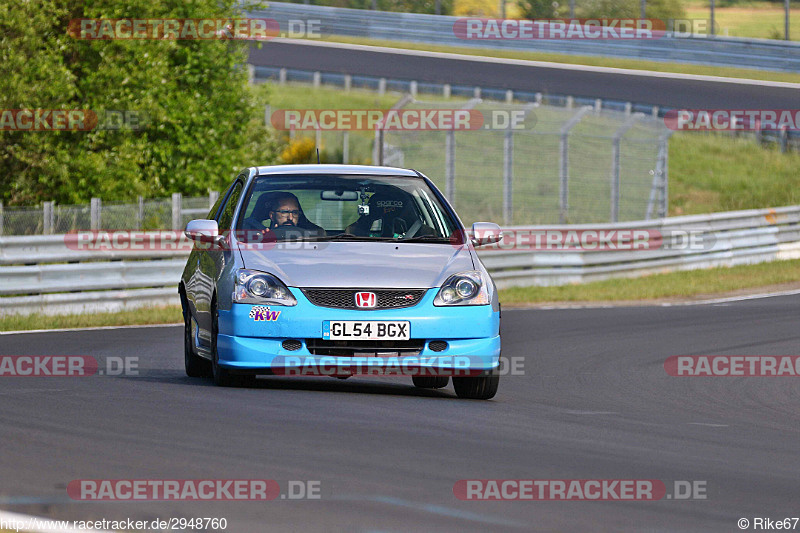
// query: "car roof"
[[336, 169]]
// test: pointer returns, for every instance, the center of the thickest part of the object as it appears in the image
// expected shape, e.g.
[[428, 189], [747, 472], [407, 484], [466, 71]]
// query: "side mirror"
[[486, 233], [205, 231]]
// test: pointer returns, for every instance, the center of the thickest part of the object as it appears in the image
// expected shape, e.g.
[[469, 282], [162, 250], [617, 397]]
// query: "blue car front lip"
[[255, 343]]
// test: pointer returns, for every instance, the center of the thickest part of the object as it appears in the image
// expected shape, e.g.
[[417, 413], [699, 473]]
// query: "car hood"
[[360, 264]]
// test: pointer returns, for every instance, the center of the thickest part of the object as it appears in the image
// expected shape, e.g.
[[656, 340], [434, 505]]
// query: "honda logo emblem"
[[366, 299]]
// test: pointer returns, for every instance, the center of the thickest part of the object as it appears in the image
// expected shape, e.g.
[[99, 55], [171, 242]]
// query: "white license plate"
[[356, 330]]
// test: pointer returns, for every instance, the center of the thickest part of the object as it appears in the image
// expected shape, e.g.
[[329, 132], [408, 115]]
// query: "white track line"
[[94, 328], [546, 64], [8, 518]]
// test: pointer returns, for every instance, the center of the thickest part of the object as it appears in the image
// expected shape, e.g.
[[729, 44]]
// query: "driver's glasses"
[[287, 212]]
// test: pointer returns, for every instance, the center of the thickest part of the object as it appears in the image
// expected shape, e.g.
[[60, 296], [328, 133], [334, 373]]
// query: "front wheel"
[[477, 388], [195, 366]]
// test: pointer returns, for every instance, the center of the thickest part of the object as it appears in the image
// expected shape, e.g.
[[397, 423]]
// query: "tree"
[[197, 112]]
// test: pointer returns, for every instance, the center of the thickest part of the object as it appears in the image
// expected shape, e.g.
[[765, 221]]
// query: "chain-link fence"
[[554, 164], [145, 214]]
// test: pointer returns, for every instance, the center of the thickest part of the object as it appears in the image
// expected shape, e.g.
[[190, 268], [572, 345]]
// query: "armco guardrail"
[[764, 54], [724, 239], [47, 274]]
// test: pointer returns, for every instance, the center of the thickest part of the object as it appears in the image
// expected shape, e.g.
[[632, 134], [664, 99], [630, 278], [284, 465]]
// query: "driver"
[[285, 212]]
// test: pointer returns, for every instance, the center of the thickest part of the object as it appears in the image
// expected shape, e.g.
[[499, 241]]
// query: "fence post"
[[316, 79], [412, 88], [509, 96], [48, 218], [660, 185], [508, 176], [140, 213], [282, 76], [176, 211], [1, 218], [345, 147], [377, 148], [95, 212], [563, 164], [615, 163], [446, 91], [348, 82], [450, 165], [381, 86], [663, 210]]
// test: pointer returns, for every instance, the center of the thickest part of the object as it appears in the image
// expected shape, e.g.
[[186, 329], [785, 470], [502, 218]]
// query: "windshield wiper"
[[350, 237], [427, 238]]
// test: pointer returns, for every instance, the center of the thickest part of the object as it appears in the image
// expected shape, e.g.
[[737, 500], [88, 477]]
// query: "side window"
[[215, 207], [226, 215]]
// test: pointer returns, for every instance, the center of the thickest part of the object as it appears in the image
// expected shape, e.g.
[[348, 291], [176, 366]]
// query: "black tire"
[[477, 388], [430, 382], [195, 366]]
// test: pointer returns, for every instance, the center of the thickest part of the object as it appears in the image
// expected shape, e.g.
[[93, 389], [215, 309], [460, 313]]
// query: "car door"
[[211, 262]]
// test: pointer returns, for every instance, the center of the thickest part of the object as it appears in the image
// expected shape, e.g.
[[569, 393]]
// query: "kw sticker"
[[259, 313]]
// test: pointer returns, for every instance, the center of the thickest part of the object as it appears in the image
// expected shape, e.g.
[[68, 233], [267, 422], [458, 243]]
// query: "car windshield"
[[361, 208]]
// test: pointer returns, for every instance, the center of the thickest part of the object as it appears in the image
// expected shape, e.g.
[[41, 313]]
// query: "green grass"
[[694, 283], [144, 315], [599, 61], [714, 172], [763, 20]]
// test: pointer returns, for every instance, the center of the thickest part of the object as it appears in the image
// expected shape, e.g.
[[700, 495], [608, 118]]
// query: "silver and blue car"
[[339, 270]]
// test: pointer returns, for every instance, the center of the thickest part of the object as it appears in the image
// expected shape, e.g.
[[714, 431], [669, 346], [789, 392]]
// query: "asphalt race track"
[[669, 90], [594, 403]]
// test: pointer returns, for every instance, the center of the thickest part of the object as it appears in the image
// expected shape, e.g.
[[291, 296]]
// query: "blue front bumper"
[[472, 334]]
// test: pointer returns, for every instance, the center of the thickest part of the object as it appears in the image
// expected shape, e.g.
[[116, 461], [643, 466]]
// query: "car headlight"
[[464, 288], [261, 288]]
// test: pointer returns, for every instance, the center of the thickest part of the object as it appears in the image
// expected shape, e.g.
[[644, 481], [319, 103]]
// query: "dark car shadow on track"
[[311, 384]]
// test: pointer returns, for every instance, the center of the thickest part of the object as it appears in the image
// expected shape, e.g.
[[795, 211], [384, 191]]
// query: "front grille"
[[363, 348], [345, 298]]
